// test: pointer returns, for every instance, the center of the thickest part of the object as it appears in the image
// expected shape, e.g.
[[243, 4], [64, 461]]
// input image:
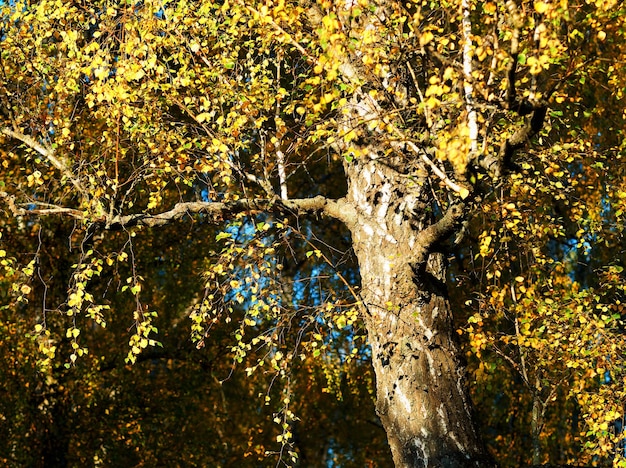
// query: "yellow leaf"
[[490, 8], [202, 117], [426, 38]]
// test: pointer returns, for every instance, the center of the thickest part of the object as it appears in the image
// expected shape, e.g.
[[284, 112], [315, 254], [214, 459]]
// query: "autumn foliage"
[[178, 279]]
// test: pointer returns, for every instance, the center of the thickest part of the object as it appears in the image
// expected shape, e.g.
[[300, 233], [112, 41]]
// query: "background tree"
[[315, 137]]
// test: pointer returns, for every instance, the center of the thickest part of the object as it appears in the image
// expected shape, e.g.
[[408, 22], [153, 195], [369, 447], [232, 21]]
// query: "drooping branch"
[[284, 34], [264, 184]]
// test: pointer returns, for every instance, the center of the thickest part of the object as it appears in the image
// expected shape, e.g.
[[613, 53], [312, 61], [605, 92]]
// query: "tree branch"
[[497, 164], [338, 209], [47, 153], [217, 211], [264, 184], [33, 208], [437, 232], [536, 111], [472, 121]]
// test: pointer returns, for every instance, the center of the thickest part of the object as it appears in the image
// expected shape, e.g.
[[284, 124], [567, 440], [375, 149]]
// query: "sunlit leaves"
[[143, 336], [153, 103]]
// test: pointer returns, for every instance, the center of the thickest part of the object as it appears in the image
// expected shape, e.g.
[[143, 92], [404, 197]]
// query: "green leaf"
[[223, 235]]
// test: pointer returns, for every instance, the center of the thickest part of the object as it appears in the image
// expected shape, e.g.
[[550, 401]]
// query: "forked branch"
[[438, 232]]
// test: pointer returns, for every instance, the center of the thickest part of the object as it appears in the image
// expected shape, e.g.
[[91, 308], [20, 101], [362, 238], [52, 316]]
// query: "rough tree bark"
[[422, 398]]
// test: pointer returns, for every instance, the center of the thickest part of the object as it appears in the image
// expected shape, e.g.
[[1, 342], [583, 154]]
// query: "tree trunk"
[[422, 399]]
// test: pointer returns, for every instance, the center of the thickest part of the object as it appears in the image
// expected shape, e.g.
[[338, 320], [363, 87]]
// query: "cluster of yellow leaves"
[[550, 312], [455, 147], [142, 337], [554, 322]]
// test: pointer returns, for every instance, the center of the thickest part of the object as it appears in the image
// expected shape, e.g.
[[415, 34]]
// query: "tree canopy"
[[276, 230]]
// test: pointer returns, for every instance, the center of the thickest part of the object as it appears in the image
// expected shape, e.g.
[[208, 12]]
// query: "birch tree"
[[386, 123]]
